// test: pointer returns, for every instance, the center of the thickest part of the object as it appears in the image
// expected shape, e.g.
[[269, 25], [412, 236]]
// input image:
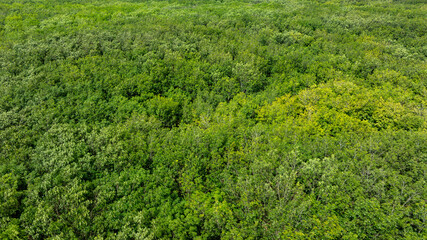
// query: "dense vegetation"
[[256, 119]]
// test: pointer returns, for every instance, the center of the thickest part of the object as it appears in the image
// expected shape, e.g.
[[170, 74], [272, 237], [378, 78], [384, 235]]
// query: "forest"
[[213, 119]]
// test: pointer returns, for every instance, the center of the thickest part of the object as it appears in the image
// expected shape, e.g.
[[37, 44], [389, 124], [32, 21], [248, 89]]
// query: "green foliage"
[[247, 119]]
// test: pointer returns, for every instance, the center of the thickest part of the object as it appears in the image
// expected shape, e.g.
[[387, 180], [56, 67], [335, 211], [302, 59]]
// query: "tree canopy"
[[228, 119]]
